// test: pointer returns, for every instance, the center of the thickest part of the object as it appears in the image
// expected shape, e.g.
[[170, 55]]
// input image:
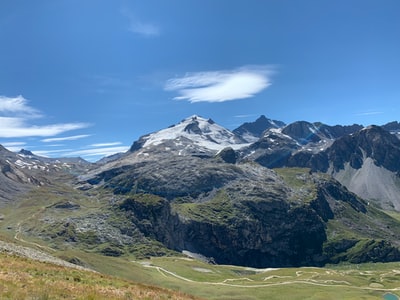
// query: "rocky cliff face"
[[367, 162]]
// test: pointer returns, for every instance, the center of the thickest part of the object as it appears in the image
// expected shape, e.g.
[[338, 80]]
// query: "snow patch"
[[211, 135]]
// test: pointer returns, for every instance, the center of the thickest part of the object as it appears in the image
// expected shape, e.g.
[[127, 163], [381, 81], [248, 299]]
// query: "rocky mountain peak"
[[303, 132], [252, 131], [393, 127], [26, 152], [193, 134]]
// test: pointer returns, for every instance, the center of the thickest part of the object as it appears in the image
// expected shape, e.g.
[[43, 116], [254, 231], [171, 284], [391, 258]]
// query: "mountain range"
[[267, 194]]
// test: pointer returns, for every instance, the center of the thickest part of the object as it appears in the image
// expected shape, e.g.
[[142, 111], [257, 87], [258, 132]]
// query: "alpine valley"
[[265, 195]]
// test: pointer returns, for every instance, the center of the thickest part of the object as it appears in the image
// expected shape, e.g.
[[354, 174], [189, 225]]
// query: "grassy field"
[[369, 281]]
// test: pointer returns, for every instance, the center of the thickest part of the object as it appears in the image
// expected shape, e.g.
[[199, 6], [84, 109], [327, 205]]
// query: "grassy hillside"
[[22, 278]]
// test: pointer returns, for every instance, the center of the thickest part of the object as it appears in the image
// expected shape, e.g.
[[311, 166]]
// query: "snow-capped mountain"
[[193, 135]]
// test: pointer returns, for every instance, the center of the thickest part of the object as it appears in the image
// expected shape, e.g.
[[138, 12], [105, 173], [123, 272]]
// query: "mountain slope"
[[367, 162], [23, 171]]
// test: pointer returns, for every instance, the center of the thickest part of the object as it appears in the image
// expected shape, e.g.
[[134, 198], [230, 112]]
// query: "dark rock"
[[257, 127], [228, 155], [66, 205], [302, 131]]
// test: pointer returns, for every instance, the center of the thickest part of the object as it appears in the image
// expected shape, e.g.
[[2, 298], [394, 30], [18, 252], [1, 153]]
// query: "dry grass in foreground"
[[22, 278]]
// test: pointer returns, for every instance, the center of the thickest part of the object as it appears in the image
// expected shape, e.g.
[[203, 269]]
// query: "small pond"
[[389, 296]]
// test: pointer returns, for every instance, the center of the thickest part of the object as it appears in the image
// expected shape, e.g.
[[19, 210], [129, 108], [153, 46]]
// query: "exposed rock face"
[[228, 155], [367, 162], [272, 150], [373, 142], [393, 127], [252, 131], [337, 131], [169, 177], [271, 234], [303, 132]]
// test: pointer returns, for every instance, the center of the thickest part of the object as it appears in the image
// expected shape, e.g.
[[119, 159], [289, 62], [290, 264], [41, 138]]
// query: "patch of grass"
[[299, 180], [144, 199], [219, 210], [375, 224], [22, 278]]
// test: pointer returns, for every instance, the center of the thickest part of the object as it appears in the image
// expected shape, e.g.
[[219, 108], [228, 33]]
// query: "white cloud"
[[50, 153], [16, 127], [102, 151], [17, 105], [67, 138], [106, 144], [14, 146], [15, 114], [221, 86]]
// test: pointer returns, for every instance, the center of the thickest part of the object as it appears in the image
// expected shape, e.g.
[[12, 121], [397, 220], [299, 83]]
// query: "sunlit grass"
[[21, 278]]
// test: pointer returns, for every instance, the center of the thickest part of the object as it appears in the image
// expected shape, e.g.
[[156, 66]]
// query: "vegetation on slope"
[[22, 278]]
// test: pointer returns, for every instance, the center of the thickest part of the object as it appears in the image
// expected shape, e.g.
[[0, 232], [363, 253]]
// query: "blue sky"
[[87, 78]]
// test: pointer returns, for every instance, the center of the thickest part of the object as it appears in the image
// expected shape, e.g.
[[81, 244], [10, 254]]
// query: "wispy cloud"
[[17, 105], [52, 153], [66, 138], [14, 146], [245, 116], [138, 26], [16, 116], [92, 153], [101, 151], [221, 86], [106, 144], [369, 113]]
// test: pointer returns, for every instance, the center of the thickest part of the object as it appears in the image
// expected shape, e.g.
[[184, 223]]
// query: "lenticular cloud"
[[220, 86]]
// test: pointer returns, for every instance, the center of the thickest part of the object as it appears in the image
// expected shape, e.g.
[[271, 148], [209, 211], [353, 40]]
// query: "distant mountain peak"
[[26, 152], [252, 131]]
